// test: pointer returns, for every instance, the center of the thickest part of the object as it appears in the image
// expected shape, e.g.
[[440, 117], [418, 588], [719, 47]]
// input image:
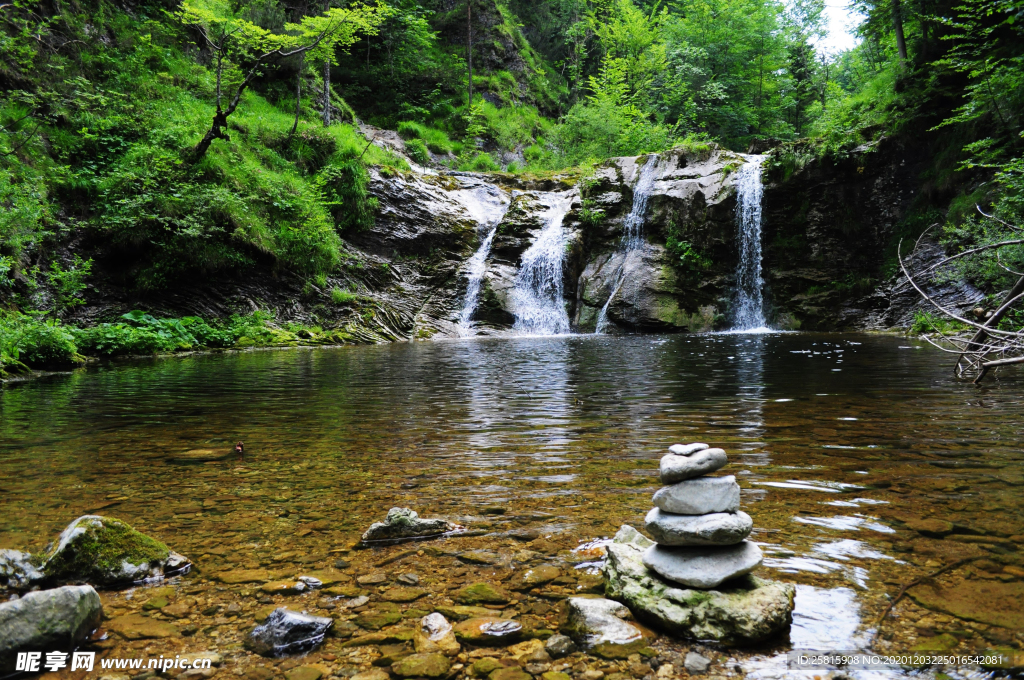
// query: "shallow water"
[[837, 441]]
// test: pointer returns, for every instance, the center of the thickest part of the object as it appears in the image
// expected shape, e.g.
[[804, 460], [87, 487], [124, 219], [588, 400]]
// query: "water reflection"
[[563, 434]]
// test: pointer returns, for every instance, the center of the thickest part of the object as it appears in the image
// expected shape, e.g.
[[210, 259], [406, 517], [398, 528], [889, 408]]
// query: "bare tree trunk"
[[897, 24], [469, 47], [298, 93], [327, 79]]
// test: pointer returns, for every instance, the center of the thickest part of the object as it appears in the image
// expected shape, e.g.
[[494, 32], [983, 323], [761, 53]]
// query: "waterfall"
[[537, 298], [486, 204], [749, 314], [632, 234]]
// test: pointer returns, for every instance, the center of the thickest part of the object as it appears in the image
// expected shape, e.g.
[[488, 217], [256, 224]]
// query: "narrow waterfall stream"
[[487, 205], [632, 234], [537, 298], [749, 315]]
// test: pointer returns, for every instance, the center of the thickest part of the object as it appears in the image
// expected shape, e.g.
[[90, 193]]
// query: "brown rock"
[[422, 666], [137, 627], [243, 576], [936, 528], [304, 673], [402, 594]]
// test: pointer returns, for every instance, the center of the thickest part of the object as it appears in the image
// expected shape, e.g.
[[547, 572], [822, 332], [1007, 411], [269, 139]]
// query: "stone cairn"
[[696, 522]]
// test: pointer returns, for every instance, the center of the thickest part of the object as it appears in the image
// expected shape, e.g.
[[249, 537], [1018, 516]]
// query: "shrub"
[[341, 297], [483, 163], [68, 283], [343, 187], [29, 340], [417, 150]]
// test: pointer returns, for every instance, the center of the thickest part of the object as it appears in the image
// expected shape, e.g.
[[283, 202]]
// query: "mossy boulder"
[[742, 611], [107, 552], [422, 666]]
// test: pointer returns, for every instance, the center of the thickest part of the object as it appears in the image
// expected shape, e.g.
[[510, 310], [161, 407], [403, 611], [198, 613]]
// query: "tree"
[[979, 345], [250, 48]]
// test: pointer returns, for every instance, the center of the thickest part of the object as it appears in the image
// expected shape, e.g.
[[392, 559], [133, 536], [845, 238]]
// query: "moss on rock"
[[104, 551]]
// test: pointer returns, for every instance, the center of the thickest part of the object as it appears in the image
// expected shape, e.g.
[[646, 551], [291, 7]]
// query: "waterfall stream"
[[749, 315], [537, 298], [487, 205], [632, 234]]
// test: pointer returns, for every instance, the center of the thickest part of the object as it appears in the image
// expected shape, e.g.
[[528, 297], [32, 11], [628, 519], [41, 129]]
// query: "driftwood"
[[988, 346], [917, 582]]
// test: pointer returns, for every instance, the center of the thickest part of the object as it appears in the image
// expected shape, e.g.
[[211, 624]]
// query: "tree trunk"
[[216, 131], [327, 79], [897, 24], [469, 47], [298, 94]]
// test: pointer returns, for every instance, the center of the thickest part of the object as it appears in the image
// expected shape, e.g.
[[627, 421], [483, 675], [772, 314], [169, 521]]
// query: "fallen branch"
[[917, 582]]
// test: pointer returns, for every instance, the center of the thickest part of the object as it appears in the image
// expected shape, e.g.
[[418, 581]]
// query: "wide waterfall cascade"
[[632, 233], [537, 297], [749, 315], [487, 205]]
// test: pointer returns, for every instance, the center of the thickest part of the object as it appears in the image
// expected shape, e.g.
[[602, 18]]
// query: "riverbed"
[[845, 446]]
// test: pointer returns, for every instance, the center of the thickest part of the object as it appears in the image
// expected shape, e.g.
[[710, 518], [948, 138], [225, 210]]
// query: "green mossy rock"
[[744, 611], [482, 593], [107, 552], [510, 673], [483, 667], [422, 666]]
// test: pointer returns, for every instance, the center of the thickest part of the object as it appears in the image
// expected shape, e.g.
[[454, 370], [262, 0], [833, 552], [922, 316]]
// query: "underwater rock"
[[47, 621], [422, 666], [489, 631], [107, 552], [286, 632], [559, 645], [718, 528], [403, 523], [743, 611]]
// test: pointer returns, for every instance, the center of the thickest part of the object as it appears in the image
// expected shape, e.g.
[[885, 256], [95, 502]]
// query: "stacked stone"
[[696, 522]]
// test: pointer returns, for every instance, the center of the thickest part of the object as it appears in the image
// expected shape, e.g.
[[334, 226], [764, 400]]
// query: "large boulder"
[[406, 524], [285, 632], [742, 611], [47, 621], [106, 552]]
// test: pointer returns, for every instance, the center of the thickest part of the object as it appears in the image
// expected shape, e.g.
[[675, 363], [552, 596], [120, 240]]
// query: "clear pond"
[[863, 464]]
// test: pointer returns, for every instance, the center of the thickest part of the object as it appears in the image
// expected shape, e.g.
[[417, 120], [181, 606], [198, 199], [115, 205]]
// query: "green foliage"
[[69, 283], [343, 187], [27, 340], [929, 322], [342, 297], [417, 151], [687, 259]]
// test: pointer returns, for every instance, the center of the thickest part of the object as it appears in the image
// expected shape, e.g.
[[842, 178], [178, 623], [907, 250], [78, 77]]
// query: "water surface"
[[838, 441]]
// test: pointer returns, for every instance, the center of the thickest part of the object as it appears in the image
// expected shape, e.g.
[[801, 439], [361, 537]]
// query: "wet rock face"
[[47, 621], [828, 226], [404, 524], [107, 552], [692, 199], [286, 632], [744, 611]]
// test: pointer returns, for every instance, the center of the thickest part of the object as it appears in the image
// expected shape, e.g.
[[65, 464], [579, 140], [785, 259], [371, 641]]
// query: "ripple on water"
[[846, 523]]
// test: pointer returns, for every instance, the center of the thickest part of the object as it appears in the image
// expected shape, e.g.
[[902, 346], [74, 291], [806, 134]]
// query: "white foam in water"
[[749, 315], [537, 298], [486, 204], [632, 233]]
